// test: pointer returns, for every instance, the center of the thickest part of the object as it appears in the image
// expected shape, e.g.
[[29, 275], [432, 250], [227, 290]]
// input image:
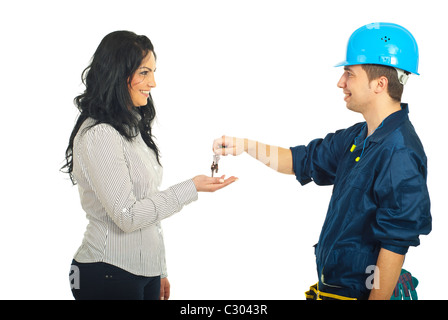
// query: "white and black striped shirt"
[[118, 183]]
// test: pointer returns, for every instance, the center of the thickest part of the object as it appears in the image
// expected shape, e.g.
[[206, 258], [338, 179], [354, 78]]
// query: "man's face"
[[356, 87]]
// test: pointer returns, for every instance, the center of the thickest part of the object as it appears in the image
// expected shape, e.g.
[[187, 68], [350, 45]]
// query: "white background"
[[256, 69]]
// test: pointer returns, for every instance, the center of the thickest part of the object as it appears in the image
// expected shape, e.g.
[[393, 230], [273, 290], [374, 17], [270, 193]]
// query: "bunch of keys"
[[216, 158]]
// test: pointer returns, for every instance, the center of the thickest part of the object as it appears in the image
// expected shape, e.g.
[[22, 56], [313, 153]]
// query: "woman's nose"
[[152, 81]]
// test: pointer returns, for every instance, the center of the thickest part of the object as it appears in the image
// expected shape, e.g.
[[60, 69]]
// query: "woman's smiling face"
[[143, 81]]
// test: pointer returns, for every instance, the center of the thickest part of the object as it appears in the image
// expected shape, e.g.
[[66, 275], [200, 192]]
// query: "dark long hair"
[[106, 98]]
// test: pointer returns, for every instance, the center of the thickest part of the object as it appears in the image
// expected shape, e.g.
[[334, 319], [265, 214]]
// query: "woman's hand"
[[209, 184], [164, 289]]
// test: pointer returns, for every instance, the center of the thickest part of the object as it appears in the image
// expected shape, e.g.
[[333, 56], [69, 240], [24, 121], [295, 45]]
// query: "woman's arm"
[[107, 172]]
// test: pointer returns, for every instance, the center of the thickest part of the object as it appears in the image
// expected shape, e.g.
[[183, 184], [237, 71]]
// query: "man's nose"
[[342, 82]]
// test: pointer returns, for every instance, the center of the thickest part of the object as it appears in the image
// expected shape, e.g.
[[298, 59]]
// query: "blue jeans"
[[102, 281]]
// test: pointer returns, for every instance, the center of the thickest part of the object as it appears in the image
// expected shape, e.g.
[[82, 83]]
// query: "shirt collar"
[[392, 122]]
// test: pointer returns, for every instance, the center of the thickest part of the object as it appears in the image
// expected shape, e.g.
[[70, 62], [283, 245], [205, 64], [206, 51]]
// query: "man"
[[380, 203]]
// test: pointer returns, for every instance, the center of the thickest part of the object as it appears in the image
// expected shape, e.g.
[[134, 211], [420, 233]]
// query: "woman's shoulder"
[[92, 130]]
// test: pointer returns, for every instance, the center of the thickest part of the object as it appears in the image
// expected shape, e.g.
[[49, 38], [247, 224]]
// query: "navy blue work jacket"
[[379, 201]]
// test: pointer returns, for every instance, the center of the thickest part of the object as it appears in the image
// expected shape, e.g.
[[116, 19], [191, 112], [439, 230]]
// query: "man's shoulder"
[[405, 137], [404, 142], [350, 132]]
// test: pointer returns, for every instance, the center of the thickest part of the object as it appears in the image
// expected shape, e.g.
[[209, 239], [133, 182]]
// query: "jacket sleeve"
[[318, 161], [403, 202], [102, 153]]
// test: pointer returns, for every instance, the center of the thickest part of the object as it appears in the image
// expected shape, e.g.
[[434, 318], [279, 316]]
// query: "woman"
[[115, 162]]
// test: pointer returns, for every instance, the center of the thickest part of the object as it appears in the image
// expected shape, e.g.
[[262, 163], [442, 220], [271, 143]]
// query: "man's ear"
[[380, 84]]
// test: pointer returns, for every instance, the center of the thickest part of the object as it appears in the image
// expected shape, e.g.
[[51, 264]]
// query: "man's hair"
[[395, 88]]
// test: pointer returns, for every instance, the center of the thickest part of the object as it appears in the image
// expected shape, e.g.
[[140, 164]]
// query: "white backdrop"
[[256, 69]]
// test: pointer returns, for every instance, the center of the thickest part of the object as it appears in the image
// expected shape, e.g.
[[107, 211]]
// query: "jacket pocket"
[[362, 180]]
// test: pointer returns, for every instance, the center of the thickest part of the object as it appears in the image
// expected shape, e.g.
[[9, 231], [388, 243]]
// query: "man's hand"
[[276, 158], [229, 145]]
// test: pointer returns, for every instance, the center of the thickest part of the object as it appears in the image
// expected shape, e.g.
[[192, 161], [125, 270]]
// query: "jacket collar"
[[391, 123], [388, 125]]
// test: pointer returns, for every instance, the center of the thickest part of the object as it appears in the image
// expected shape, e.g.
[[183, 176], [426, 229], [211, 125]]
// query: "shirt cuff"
[[298, 159], [185, 192], [395, 249]]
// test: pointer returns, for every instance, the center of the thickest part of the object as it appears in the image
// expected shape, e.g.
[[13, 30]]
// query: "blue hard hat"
[[383, 43]]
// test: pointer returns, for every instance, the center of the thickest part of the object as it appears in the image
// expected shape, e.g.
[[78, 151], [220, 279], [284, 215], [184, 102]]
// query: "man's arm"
[[277, 158], [389, 266]]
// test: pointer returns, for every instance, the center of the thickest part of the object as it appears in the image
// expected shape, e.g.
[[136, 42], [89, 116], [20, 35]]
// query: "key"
[[215, 163]]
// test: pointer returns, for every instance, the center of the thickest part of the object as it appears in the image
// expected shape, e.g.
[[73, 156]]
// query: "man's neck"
[[376, 114]]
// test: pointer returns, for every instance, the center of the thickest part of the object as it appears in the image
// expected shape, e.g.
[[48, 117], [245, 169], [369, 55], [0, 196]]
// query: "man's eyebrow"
[[347, 68]]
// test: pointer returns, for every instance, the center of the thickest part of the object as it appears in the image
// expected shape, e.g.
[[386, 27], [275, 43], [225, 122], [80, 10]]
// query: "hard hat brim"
[[347, 63]]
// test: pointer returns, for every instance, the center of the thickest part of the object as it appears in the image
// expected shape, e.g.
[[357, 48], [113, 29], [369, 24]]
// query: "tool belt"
[[315, 294], [404, 290]]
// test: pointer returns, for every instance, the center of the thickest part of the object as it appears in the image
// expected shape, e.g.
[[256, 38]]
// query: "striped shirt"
[[118, 183]]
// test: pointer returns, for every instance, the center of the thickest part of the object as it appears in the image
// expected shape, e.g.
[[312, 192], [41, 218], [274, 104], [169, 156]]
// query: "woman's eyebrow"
[[148, 68]]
